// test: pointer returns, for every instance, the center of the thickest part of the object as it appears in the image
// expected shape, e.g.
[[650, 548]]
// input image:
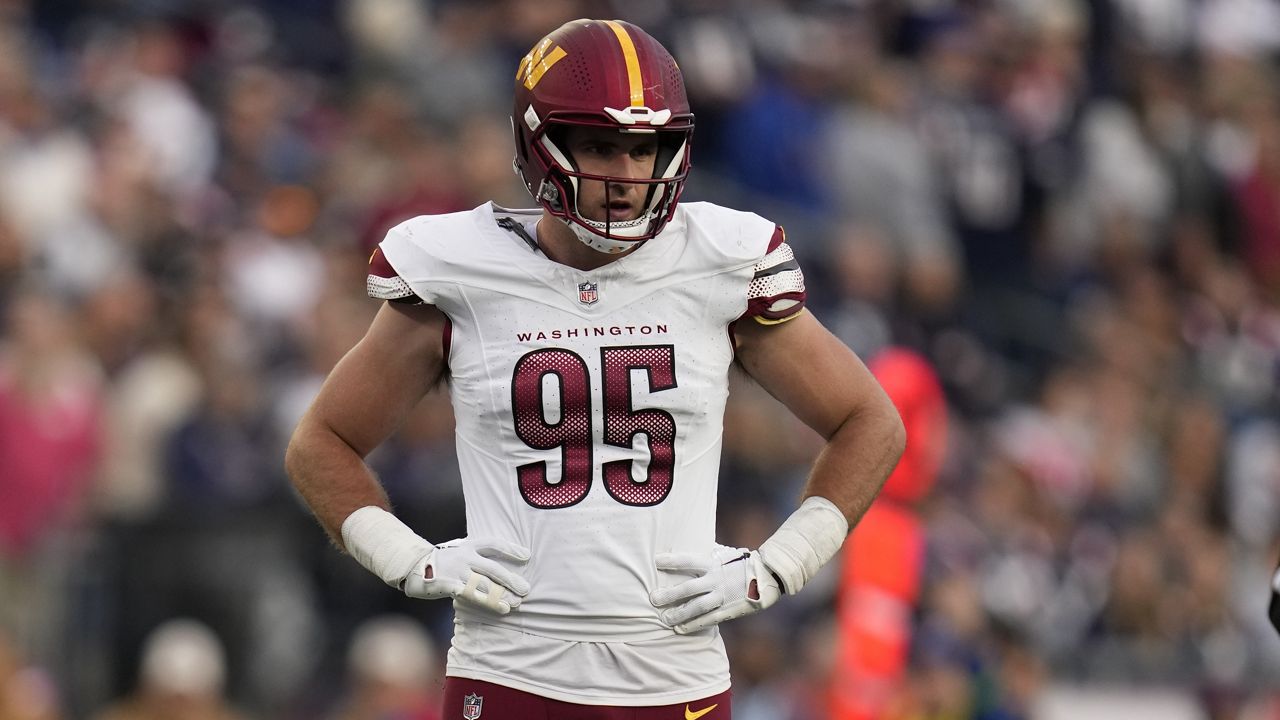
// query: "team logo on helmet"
[[472, 706], [588, 293], [538, 62]]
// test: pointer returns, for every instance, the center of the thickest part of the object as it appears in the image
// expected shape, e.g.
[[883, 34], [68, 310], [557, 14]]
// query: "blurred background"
[[1051, 226]]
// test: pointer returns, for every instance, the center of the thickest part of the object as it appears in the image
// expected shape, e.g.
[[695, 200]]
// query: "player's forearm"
[[845, 479], [330, 475], [858, 458]]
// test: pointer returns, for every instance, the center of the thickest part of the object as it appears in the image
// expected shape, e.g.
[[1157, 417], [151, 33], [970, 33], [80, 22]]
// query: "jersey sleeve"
[[384, 283], [776, 293]]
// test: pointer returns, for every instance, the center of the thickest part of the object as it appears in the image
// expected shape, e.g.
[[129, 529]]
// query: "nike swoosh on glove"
[[728, 583], [472, 571]]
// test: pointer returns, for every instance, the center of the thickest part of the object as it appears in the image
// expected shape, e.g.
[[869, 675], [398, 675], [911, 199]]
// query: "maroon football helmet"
[[600, 73]]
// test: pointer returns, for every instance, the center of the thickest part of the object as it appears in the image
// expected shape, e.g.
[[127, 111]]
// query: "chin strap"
[[512, 226], [551, 198], [608, 246]]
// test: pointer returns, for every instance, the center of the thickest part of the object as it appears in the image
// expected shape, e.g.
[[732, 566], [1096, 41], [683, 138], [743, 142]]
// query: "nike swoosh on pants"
[[691, 715]]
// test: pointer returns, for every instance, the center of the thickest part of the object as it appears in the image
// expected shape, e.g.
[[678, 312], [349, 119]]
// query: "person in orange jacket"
[[884, 555]]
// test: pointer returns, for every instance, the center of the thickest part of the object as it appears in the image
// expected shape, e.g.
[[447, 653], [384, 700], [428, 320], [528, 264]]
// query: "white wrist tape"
[[383, 545], [805, 542]]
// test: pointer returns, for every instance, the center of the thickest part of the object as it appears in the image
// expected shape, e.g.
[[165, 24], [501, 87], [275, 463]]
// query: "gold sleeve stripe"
[[632, 60], [766, 321]]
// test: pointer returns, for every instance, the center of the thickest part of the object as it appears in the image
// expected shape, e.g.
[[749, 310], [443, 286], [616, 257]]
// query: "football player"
[[586, 346]]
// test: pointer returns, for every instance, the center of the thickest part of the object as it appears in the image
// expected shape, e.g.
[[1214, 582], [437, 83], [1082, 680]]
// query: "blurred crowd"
[[1070, 208]]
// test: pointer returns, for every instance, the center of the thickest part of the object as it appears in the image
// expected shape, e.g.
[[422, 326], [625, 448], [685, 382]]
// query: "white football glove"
[[732, 582], [471, 570], [467, 569], [726, 584]]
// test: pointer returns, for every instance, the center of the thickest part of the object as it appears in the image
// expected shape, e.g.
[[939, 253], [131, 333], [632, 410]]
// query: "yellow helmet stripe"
[[633, 62]]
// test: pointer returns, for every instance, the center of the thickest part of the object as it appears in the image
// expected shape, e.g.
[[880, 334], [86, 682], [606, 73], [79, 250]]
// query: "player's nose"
[[626, 166]]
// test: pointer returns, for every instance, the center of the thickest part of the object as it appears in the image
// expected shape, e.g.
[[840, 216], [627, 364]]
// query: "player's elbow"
[[896, 431], [299, 452], [883, 423], [875, 432], [293, 456]]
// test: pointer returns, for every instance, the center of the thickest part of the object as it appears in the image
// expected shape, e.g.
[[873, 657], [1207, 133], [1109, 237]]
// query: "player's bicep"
[[810, 371], [375, 385]]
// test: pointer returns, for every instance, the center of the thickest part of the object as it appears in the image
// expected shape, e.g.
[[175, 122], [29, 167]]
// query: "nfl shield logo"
[[587, 293], [471, 706]]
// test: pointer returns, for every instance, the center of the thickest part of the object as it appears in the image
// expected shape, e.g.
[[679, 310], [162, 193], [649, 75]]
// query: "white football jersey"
[[589, 409]]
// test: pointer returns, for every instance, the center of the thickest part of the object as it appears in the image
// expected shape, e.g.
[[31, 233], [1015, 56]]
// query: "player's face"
[[603, 151]]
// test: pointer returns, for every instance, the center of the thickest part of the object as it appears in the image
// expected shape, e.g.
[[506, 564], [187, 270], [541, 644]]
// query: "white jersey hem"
[[670, 698]]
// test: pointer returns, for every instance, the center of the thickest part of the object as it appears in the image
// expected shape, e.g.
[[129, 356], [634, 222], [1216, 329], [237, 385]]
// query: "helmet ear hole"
[[550, 192]]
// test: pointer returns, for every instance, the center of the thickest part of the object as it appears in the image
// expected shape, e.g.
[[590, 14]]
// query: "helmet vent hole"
[[582, 75]]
